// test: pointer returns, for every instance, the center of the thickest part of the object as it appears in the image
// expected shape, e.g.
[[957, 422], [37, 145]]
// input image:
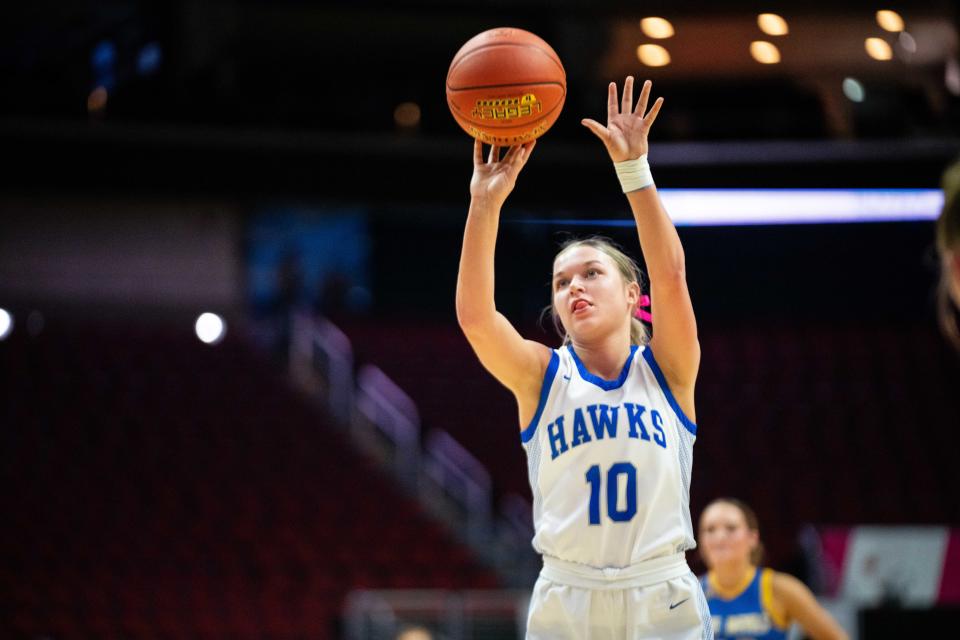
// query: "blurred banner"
[[915, 566]]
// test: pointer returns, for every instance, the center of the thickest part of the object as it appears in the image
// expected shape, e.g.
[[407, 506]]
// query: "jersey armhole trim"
[[662, 380], [766, 600], [548, 377]]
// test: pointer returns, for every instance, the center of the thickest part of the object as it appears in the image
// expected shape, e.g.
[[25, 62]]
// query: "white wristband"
[[634, 174]]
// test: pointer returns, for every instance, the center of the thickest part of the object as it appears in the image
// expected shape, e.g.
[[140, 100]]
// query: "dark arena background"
[[234, 398]]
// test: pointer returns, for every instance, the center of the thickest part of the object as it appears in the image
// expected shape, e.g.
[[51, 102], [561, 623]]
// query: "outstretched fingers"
[[525, 150], [644, 97], [612, 108], [518, 154], [477, 151], [598, 129], [494, 154], [626, 105], [512, 153], [650, 117]]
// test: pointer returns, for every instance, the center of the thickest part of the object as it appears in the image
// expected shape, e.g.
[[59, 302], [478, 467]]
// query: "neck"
[[606, 357], [731, 576]]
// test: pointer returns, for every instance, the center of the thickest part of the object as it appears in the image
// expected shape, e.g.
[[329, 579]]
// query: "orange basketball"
[[506, 86]]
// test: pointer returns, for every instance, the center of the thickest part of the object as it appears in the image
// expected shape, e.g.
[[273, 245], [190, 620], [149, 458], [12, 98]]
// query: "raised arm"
[[517, 363], [801, 605], [674, 342]]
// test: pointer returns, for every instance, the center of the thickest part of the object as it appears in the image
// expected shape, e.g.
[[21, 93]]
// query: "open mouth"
[[579, 306]]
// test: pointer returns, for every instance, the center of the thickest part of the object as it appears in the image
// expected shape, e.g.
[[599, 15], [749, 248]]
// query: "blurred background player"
[[948, 246], [746, 599]]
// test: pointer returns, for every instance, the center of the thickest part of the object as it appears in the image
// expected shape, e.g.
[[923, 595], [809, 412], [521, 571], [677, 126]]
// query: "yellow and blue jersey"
[[747, 611]]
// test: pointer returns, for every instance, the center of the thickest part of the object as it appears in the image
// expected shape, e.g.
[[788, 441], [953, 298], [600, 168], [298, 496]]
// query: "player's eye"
[[562, 282], [592, 272]]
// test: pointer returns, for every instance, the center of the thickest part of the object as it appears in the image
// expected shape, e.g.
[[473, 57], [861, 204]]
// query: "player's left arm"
[[674, 341], [800, 605]]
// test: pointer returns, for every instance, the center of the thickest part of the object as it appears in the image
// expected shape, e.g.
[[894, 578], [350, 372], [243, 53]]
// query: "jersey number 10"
[[613, 492]]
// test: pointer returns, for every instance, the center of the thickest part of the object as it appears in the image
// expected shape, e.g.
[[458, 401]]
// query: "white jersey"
[[609, 464]]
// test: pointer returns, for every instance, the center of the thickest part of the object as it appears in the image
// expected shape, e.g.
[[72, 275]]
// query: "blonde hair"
[[948, 242], [629, 271]]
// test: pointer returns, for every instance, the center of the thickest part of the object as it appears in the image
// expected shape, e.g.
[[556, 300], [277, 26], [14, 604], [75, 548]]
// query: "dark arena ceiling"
[[253, 91]]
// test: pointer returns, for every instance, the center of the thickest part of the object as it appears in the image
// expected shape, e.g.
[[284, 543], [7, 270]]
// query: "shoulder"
[[800, 605], [772, 595], [531, 396], [547, 360], [790, 595], [786, 585]]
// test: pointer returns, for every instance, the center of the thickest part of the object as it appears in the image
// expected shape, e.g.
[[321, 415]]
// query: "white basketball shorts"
[[658, 599]]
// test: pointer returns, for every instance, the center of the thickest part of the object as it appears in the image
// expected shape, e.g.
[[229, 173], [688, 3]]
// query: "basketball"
[[506, 86]]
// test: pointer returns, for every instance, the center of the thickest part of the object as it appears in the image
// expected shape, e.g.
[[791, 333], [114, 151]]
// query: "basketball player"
[[746, 600], [948, 246], [608, 419]]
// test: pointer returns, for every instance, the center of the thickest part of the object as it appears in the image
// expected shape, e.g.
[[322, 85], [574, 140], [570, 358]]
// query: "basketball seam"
[[510, 84], [555, 60]]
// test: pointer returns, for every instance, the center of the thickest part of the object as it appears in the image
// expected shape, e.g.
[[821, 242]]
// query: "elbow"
[[466, 319], [472, 318], [674, 276]]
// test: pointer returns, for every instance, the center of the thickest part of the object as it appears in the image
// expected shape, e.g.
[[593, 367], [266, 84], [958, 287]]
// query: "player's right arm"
[[517, 363], [802, 606]]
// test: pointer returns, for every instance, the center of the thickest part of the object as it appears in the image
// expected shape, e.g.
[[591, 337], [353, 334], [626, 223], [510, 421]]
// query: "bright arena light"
[[878, 49], [907, 42], [210, 328], [853, 89], [764, 52], [6, 324], [658, 28], [889, 20], [772, 24], [722, 207], [653, 55]]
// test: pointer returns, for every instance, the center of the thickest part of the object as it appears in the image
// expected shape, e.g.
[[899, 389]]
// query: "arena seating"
[[808, 423], [156, 487]]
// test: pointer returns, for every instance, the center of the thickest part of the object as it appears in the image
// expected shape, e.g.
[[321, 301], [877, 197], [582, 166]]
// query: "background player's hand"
[[494, 178], [625, 135]]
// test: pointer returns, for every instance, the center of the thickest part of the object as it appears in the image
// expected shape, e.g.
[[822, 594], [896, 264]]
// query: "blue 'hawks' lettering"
[[659, 437], [580, 434], [555, 431], [604, 419], [635, 414]]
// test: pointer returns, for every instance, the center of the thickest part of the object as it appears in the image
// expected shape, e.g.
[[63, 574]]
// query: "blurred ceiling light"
[[878, 49], [853, 89], [6, 324], [772, 24], [907, 42], [889, 20], [97, 100], [407, 114], [653, 55], [658, 28], [764, 52], [210, 328]]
